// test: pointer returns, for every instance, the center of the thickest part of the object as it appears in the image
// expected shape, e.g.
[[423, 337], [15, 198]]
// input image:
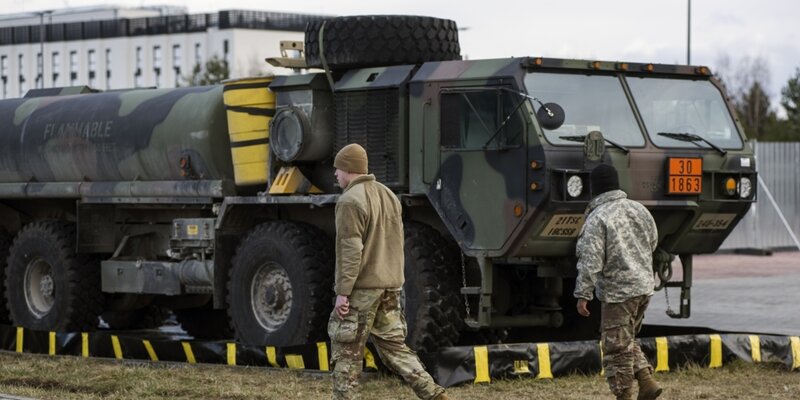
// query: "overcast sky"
[[625, 30]]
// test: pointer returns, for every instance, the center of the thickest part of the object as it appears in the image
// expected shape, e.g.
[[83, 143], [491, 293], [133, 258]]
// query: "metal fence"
[[778, 166]]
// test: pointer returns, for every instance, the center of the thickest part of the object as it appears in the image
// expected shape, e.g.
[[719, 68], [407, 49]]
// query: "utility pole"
[[689, 34], [40, 59]]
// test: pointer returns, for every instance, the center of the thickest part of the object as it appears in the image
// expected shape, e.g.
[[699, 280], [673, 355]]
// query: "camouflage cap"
[[351, 158]]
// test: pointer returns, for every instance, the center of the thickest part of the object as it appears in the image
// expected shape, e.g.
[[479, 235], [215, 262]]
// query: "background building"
[[115, 48]]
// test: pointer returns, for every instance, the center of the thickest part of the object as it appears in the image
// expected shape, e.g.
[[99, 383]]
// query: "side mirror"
[[550, 116]]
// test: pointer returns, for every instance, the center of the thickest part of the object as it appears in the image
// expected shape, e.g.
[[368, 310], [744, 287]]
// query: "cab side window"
[[486, 118]]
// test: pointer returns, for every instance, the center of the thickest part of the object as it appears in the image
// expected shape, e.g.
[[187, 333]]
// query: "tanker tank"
[[90, 142]]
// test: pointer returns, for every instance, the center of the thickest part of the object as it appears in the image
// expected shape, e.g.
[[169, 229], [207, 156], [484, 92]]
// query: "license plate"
[[685, 176], [714, 221], [564, 225]]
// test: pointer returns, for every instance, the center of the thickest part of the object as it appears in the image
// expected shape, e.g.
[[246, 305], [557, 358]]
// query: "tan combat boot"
[[648, 387], [441, 396]]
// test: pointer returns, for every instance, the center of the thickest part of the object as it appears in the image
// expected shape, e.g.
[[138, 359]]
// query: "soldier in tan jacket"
[[369, 278]]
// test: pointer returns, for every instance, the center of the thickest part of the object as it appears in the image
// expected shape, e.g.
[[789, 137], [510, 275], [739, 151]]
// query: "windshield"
[[590, 103], [684, 106]]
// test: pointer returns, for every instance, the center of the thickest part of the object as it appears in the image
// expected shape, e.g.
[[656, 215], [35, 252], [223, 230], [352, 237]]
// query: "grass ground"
[[46, 377]]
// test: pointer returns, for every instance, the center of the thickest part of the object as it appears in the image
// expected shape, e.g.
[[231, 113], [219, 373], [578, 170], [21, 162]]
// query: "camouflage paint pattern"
[[622, 356], [136, 135], [497, 202], [507, 203], [374, 312]]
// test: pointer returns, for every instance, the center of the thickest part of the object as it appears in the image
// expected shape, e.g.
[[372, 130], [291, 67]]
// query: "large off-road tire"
[[576, 326], [148, 317], [433, 309], [5, 244], [48, 286], [280, 286], [483, 336], [381, 40], [205, 322]]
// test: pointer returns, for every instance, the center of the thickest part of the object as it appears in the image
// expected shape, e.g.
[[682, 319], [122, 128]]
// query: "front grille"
[[371, 119]]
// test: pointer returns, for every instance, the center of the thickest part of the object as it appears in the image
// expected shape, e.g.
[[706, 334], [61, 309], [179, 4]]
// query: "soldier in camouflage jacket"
[[615, 259]]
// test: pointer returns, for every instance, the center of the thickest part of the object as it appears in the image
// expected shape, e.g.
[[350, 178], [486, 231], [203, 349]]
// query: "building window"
[[157, 64], [39, 71], [92, 58], [225, 52], [198, 57], [22, 86], [4, 74], [176, 63], [73, 68], [137, 76], [108, 69], [56, 66]]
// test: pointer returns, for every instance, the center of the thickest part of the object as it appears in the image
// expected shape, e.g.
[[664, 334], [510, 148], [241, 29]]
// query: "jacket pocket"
[[343, 330]]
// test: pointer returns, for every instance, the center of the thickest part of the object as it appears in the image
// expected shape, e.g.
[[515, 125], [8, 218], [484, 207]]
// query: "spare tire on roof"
[[380, 40]]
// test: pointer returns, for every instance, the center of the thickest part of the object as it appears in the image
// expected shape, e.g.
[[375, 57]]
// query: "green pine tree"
[[216, 70], [790, 100]]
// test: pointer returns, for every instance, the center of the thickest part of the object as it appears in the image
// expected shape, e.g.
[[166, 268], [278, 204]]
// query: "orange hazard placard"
[[685, 176]]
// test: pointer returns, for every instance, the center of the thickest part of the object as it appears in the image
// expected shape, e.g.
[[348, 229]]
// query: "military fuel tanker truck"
[[217, 202]]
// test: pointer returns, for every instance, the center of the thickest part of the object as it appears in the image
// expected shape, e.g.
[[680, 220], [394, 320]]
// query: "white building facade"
[[115, 48]]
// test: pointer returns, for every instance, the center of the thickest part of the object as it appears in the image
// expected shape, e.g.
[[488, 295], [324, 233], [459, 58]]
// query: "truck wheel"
[[432, 307], [5, 243], [149, 317], [204, 322], [381, 40], [576, 326], [280, 288], [48, 286], [483, 336]]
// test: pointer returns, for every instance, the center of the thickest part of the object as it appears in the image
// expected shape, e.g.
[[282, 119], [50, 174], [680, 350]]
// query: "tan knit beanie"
[[351, 158]]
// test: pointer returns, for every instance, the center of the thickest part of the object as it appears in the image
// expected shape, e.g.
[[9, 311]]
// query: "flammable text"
[[80, 129]]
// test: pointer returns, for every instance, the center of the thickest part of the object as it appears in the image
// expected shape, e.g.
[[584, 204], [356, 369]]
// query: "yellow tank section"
[[250, 106]]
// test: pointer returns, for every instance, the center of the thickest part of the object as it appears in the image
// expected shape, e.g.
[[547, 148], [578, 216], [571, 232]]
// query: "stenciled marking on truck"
[[713, 221], [564, 225], [78, 129]]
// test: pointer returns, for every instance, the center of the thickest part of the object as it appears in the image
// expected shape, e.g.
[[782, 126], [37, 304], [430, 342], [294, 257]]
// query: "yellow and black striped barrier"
[[481, 364], [100, 344], [451, 366]]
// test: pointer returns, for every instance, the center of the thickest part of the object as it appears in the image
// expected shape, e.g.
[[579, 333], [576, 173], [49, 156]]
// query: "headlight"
[[574, 186], [288, 133], [730, 186], [745, 187]]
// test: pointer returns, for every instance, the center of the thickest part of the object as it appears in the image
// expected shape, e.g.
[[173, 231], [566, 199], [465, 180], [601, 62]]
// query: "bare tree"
[[746, 81]]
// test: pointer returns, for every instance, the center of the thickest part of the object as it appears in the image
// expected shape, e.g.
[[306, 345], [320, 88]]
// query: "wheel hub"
[[271, 296], [39, 287], [46, 286], [274, 297]]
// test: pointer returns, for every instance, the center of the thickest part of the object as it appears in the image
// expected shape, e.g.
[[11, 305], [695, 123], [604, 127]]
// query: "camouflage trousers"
[[622, 356], [376, 312]]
